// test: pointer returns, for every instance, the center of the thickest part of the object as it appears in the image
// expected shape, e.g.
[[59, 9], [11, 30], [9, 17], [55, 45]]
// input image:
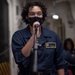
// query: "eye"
[[32, 14], [39, 13], [35, 13]]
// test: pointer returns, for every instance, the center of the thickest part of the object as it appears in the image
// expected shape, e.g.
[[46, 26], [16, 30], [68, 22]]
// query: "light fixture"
[[54, 16]]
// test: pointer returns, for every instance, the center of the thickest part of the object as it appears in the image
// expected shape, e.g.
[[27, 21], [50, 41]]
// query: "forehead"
[[68, 42], [35, 9]]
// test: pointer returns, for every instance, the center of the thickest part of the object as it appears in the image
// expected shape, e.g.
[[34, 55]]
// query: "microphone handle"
[[35, 52]]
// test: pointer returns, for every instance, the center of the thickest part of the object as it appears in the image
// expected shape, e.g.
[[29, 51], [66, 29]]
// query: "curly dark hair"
[[25, 11], [71, 42]]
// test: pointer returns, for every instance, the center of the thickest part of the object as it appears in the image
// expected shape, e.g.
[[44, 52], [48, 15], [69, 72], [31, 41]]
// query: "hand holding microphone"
[[36, 25]]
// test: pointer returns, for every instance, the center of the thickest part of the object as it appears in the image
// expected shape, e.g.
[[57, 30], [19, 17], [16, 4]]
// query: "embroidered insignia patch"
[[50, 44]]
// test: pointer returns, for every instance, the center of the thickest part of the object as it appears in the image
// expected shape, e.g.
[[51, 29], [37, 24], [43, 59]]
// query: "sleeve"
[[17, 45], [60, 62]]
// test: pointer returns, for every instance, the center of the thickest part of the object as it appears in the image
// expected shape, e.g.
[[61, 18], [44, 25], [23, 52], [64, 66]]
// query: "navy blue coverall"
[[50, 53]]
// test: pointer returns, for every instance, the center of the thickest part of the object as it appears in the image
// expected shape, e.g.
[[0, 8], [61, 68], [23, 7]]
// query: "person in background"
[[69, 45], [68, 54], [49, 52]]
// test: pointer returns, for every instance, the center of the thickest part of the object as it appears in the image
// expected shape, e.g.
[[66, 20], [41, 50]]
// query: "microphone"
[[36, 24], [35, 69]]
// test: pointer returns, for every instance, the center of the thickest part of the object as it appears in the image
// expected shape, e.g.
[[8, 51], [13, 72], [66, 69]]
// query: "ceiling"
[[71, 0], [65, 0], [56, 1]]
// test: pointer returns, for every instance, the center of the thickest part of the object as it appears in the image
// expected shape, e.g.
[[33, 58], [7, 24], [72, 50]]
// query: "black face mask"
[[34, 19]]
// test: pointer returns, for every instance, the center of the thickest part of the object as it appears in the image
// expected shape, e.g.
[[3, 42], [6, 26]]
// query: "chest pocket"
[[50, 47]]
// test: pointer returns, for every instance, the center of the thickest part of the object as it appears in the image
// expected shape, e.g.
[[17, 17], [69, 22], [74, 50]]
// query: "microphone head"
[[36, 24]]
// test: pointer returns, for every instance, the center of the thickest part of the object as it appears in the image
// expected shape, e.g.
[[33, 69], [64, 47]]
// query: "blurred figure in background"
[[69, 45], [69, 55]]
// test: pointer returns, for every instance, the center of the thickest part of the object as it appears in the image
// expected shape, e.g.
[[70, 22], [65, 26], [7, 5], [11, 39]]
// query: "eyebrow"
[[35, 12]]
